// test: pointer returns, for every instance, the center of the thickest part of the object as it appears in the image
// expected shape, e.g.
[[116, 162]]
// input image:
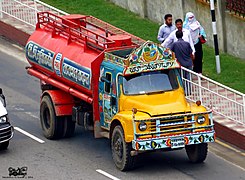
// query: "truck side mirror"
[[1, 91]]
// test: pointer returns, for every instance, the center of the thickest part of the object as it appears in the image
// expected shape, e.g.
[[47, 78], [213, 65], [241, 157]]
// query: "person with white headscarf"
[[198, 36]]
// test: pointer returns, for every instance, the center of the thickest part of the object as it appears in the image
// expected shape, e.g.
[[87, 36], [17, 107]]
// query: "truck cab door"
[[107, 96]]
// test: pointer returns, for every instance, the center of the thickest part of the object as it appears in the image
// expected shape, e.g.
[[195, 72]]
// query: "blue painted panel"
[[76, 73], [107, 111], [39, 55]]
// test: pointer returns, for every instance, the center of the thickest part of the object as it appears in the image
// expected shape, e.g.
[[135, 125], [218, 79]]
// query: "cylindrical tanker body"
[[66, 61]]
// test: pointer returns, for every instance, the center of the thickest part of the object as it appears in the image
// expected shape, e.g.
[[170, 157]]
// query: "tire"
[[197, 153], [121, 150], [69, 126], [53, 126], [4, 145]]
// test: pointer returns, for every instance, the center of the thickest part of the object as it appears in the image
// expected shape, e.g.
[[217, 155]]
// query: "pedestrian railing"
[[26, 10], [18, 10], [220, 98]]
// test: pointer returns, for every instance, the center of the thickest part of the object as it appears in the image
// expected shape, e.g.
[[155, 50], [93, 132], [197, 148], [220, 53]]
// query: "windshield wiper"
[[155, 92]]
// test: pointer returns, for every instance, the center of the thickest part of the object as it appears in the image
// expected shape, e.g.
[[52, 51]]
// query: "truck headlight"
[[142, 126], [201, 119], [3, 119]]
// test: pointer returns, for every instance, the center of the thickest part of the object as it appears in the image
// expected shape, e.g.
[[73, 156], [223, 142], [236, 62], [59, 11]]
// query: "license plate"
[[177, 143]]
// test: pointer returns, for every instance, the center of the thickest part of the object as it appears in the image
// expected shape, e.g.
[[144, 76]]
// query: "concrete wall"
[[156, 9], [231, 29], [235, 32]]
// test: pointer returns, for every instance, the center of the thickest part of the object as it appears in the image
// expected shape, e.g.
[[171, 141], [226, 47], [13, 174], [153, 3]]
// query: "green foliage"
[[232, 68]]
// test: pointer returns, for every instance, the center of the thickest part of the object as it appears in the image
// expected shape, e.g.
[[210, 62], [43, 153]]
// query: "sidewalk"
[[225, 128]]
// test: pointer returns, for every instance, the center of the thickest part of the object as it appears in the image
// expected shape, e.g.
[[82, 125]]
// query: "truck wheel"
[[69, 126], [53, 126], [197, 153], [4, 145], [121, 150]]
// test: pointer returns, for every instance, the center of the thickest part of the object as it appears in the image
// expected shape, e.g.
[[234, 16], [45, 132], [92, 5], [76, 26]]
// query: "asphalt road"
[[82, 156]]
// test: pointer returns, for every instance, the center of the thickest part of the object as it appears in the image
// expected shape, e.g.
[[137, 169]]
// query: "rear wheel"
[[69, 126], [4, 145], [53, 126], [121, 150], [197, 153]]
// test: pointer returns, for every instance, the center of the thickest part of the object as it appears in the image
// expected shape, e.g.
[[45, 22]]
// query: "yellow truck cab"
[[143, 105]]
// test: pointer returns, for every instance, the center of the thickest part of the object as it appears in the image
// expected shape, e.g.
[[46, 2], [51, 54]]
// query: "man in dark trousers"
[[183, 53]]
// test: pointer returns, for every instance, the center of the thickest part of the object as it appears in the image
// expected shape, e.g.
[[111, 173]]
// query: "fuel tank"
[[64, 48]]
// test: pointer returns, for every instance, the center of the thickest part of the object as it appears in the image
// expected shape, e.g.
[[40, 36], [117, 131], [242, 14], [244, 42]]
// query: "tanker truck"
[[115, 84]]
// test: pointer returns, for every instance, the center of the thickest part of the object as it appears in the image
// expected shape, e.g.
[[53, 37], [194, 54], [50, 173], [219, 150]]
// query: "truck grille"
[[172, 124], [167, 125], [5, 133]]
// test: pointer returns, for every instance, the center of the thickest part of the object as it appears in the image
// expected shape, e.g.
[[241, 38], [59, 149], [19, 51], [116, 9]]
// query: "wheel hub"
[[118, 148]]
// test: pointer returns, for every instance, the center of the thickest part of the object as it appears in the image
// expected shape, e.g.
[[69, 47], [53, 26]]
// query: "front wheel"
[[197, 153], [121, 150], [4, 145]]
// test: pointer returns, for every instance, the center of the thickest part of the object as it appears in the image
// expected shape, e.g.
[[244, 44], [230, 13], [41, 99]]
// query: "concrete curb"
[[229, 131], [222, 130], [229, 135], [13, 33]]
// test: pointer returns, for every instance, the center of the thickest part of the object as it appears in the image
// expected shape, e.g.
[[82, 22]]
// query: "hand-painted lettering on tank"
[[39, 55], [76, 73]]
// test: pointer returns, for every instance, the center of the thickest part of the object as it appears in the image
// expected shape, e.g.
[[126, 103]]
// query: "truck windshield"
[[150, 82]]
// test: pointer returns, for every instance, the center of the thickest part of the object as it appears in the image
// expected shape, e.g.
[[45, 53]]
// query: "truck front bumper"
[[6, 132], [173, 142]]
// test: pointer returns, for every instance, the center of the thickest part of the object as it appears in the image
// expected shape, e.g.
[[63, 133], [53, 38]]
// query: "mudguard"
[[62, 101]]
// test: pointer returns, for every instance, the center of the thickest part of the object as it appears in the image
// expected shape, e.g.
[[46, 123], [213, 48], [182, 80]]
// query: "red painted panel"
[[62, 101], [95, 86]]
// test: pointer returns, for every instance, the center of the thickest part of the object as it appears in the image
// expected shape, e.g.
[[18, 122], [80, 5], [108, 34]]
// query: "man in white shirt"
[[186, 36]]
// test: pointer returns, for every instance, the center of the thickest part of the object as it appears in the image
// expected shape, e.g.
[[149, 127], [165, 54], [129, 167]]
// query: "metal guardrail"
[[222, 99], [18, 10], [26, 10]]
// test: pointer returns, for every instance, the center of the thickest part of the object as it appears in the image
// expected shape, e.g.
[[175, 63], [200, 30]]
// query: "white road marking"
[[32, 115], [107, 174], [28, 113], [29, 135], [19, 109], [18, 47]]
